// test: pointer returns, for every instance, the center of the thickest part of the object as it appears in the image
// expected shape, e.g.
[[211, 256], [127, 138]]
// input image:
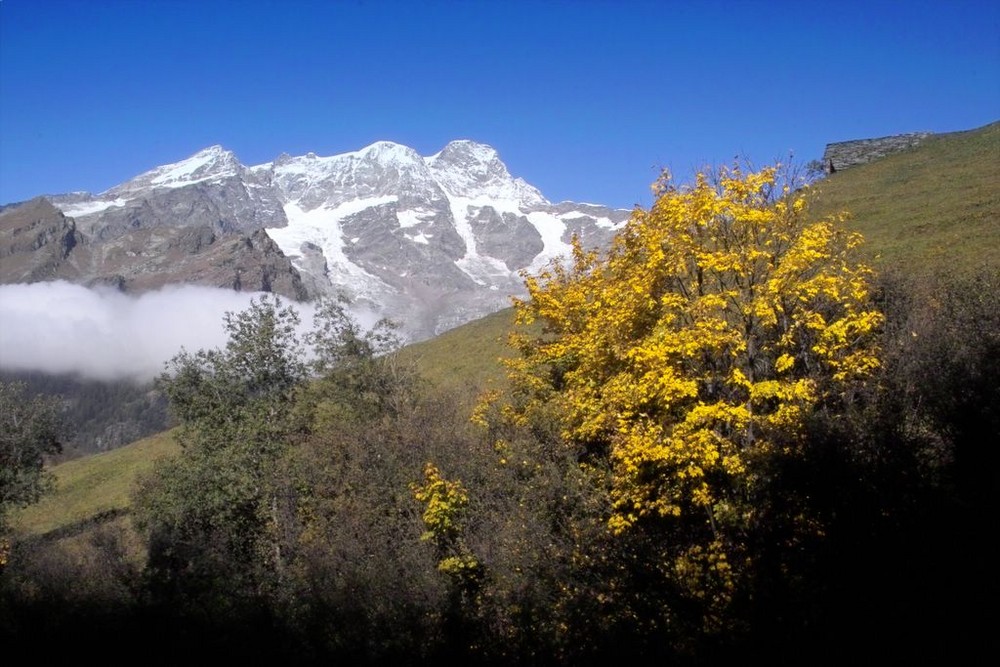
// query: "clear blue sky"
[[586, 100]]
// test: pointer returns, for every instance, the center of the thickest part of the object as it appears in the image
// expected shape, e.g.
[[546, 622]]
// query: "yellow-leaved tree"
[[684, 364]]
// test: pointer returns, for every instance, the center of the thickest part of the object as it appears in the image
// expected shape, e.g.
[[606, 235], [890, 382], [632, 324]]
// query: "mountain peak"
[[213, 150], [388, 152], [212, 163], [470, 148], [468, 168]]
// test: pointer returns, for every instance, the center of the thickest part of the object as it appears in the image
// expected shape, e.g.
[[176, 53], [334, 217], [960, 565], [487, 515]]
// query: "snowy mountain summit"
[[431, 241], [211, 164], [467, 169]]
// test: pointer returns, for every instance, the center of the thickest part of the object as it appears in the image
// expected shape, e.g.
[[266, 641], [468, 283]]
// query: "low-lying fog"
[[99, 333]]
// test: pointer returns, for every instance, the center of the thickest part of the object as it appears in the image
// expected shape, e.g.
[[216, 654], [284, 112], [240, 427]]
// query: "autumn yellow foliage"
[[694, 350], [445, 502]]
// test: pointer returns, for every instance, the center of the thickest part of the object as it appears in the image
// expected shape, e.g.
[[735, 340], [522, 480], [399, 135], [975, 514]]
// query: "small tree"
[[29, 431], [358, 375], [815, 170], [263, 361], [445, 502], [684, 365], [213, 512], [223, 516]]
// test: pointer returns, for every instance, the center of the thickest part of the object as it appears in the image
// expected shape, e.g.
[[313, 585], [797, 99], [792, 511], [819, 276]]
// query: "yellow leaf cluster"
[[707, 574], [699, 343], [444, 502]]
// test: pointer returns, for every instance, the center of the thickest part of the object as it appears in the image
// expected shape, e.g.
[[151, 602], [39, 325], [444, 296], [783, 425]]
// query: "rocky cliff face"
[[428, 241], [36, 241]]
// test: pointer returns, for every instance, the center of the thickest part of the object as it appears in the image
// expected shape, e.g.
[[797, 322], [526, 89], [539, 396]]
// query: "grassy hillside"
[[466, 357], [933, 208], [93, 485]]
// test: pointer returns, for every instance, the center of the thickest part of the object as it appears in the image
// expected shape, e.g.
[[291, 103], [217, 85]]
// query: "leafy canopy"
[[29, 431], [217, 510], [691, 355]]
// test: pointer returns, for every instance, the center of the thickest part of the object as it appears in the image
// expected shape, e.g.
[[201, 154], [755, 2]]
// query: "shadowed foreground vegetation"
[[353, 511]]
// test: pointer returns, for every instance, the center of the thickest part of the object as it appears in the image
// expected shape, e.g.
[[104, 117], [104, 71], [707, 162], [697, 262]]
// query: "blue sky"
[[586, 100]]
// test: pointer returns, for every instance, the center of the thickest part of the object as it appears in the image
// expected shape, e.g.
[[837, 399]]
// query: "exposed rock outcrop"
[[845, 154], [36, 242]]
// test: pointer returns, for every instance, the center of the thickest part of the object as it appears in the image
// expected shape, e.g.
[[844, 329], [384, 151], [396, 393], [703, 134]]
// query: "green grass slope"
[[466, 358], [931, 209], [93, 485]]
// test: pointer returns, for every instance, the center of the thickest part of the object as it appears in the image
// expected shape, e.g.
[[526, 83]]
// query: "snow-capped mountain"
[[428, 241], [209, 188]]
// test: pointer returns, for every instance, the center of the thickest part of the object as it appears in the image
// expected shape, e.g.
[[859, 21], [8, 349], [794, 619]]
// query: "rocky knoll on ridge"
[[431, 242]]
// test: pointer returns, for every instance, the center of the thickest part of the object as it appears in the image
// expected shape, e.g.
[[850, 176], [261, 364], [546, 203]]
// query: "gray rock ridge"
[[39, 243], [228, 199], [507, 236], [845, 154], [430, 242], [36, 242]]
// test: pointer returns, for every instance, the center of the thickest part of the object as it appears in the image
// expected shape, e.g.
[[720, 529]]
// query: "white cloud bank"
[[58, 327]]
